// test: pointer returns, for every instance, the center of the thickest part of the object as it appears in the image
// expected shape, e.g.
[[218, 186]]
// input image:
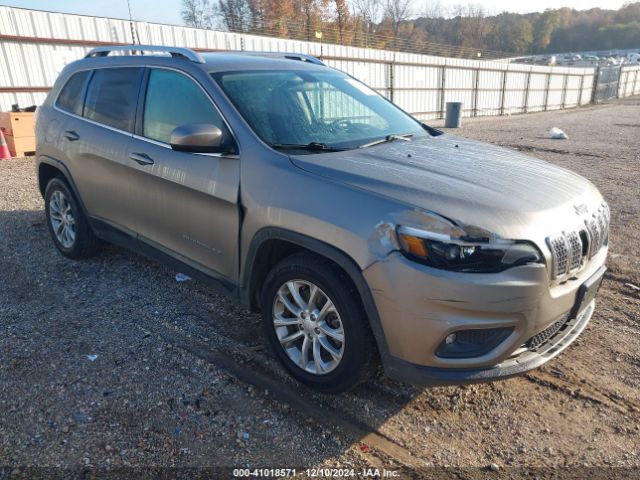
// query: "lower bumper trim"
[[528, 360]]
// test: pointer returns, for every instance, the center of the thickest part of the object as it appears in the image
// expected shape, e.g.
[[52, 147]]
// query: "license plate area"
[[587, 292]]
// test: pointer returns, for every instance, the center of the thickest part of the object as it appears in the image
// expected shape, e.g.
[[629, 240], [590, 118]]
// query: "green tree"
[[511, 33]]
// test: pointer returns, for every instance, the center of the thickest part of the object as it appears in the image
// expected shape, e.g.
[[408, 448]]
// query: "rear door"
[[96, 138], [187, 203]]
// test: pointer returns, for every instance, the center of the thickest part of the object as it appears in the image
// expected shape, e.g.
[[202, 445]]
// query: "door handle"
[[141, 158], [71, 135]]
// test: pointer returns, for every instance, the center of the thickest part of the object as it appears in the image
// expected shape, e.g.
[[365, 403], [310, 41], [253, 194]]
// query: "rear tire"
[[68, 226], [309, 304]]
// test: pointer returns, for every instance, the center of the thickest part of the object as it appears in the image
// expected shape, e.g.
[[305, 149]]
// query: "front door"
[[187, 203]]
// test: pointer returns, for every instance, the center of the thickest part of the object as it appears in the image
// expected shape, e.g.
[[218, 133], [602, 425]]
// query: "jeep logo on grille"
[[580, 209]]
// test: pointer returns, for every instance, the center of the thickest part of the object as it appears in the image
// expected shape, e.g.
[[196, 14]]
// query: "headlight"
[[448, 253]]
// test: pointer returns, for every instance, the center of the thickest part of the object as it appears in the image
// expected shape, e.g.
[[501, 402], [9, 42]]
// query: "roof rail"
[[301, 57], [179, 52]]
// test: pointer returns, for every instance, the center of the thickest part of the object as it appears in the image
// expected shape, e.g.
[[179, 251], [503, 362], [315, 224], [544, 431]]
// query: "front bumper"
[[517, 364], [419, 306]]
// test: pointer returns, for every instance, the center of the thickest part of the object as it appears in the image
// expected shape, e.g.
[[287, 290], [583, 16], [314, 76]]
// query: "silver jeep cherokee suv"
[[359, 233]]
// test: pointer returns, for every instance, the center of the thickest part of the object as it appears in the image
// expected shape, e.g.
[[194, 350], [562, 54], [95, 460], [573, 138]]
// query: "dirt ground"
[[110, 365]]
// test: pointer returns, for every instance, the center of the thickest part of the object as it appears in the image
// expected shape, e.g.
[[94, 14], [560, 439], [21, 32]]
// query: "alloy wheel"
[[62, 219], [308, 326]]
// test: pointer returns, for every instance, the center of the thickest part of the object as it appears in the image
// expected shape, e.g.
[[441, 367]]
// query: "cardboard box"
[[19, 132], [18, 124], [21, 146]]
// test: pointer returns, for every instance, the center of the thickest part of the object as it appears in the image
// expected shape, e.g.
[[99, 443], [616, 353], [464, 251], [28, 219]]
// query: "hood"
[[468, 181]]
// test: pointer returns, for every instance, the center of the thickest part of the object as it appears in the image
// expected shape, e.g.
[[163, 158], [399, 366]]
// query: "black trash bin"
[[453, 117]]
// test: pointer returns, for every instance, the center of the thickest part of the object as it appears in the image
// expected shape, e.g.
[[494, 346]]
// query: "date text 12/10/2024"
[[314, 472]]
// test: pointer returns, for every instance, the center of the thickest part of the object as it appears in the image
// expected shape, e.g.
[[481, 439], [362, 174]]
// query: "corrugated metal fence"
[[629, 83], [35, 46]]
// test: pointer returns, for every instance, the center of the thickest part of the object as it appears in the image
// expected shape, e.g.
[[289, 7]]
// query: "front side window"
[[112, 96], [70, 98], [172, 100], [313, 107]]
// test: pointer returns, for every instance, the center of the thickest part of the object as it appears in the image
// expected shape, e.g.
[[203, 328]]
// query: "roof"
[[218, 61], [224, 61]]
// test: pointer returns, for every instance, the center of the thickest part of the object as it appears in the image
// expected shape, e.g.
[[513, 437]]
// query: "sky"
[[168, 11]]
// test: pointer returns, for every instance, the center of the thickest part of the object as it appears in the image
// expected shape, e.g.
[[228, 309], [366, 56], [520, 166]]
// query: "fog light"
[[472, 342]]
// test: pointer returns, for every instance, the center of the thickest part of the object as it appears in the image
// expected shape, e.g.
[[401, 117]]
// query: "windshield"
[[289, 109]]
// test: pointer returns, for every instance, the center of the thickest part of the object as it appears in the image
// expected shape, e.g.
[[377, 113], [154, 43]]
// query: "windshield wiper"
[[389, 138], [313, 146]]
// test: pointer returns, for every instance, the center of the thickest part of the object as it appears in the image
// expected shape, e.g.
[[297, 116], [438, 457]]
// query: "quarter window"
[[173, 100], [112, 96], [70, 98]]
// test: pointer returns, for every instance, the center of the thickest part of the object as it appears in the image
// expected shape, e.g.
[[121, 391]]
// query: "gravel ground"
[[111, 363]]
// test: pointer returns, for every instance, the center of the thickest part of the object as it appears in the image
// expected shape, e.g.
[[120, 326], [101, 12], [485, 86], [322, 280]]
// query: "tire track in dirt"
[[570, 385], [577, 389], [369, 440]]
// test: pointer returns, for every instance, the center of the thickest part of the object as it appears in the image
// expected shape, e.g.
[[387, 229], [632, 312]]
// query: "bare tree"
[[235, 15], [311, 13], [397, 12], [342, 18], [368, 9], [434, 9], [369, 12], [472, 23], [197, 13]]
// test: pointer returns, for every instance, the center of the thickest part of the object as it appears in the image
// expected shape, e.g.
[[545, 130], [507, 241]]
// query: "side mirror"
[[198, 138]]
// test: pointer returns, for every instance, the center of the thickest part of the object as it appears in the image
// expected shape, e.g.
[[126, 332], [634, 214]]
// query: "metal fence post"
[[565, 81], [594, 86], [525, 107], [390, 80], [581, 87], [443, 85], [503, 91], [546, 92], [620, 81], [635, 83], [476, 86]]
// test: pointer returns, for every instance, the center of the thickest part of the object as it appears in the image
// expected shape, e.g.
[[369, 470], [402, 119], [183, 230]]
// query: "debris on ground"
[[181, 277], [92, 358], [632, 286], [558, 134]]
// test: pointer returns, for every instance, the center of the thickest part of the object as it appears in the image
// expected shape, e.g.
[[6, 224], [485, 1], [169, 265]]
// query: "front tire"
[[68, 226], [316, 325]]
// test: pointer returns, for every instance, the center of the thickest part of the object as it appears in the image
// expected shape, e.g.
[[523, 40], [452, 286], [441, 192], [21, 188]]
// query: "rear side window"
[[70, 98], [112, 96], [172, 100]]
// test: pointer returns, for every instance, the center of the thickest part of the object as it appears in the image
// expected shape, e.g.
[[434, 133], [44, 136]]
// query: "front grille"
[[542, 337], [568, 249]]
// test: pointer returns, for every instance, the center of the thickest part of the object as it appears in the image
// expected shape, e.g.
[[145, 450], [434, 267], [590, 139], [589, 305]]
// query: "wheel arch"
[[49, 168], [271, 244]]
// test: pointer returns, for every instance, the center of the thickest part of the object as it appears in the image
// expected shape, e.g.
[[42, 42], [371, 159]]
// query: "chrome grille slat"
[[567, 247], [560, 248], [575, 258], [594, 234], [602, 226]]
